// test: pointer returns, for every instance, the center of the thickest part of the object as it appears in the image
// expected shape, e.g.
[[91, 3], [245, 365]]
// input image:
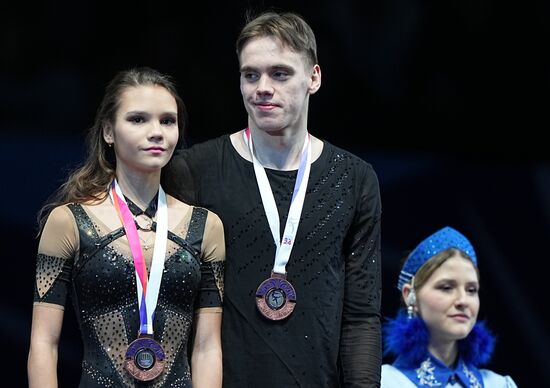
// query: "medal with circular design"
[[144, 359], [275, 297]]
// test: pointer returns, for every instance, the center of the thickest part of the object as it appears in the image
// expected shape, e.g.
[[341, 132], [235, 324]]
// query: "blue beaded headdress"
[[439, 241]]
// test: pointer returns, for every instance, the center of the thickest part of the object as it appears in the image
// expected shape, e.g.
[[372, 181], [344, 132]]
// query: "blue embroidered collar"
[[433, 373]]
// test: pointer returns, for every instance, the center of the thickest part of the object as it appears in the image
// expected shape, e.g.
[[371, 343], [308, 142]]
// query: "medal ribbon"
[[147, 288], [284, 245]]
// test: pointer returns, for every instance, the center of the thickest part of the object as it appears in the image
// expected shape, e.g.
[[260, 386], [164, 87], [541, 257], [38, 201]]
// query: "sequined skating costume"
[[82, 256], [334, 268]]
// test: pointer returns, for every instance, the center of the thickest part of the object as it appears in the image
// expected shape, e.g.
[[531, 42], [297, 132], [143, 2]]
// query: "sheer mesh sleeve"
[[212, 264], [55, 257], [360, 346]]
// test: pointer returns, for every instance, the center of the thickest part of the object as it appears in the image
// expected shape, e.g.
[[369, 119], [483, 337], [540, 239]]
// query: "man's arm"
[[361, 337]]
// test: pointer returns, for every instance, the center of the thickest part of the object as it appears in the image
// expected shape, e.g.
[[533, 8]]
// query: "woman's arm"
[[42, 362], [58, 244], [206, 359]]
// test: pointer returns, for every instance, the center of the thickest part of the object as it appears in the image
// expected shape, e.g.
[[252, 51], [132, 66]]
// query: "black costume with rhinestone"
[[333, 337], [93, 265]]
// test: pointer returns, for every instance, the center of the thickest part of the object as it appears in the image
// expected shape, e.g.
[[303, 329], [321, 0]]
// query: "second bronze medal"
[[275, 297]]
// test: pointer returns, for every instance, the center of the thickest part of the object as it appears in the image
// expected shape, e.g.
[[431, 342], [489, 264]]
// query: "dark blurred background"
[[447, 99]]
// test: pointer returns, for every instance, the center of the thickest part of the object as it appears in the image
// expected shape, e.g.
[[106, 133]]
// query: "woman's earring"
[[411, 301]]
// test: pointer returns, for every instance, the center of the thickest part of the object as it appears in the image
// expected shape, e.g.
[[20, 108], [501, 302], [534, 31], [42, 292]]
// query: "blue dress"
[[433, 373]]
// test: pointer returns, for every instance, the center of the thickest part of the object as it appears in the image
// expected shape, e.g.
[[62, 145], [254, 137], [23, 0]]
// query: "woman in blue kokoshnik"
[[437, 341]]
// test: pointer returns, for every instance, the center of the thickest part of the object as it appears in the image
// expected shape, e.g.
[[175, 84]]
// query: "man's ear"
[[315, 79]]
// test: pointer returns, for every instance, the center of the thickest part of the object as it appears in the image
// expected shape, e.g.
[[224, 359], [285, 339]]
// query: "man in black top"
[[302, 226]]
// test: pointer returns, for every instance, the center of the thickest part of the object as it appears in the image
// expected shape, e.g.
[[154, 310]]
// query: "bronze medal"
[[275, 297], [144, 359]]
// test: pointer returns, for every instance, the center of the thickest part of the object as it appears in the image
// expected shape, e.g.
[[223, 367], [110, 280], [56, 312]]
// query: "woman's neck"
[[140, 188], [446, 352]]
